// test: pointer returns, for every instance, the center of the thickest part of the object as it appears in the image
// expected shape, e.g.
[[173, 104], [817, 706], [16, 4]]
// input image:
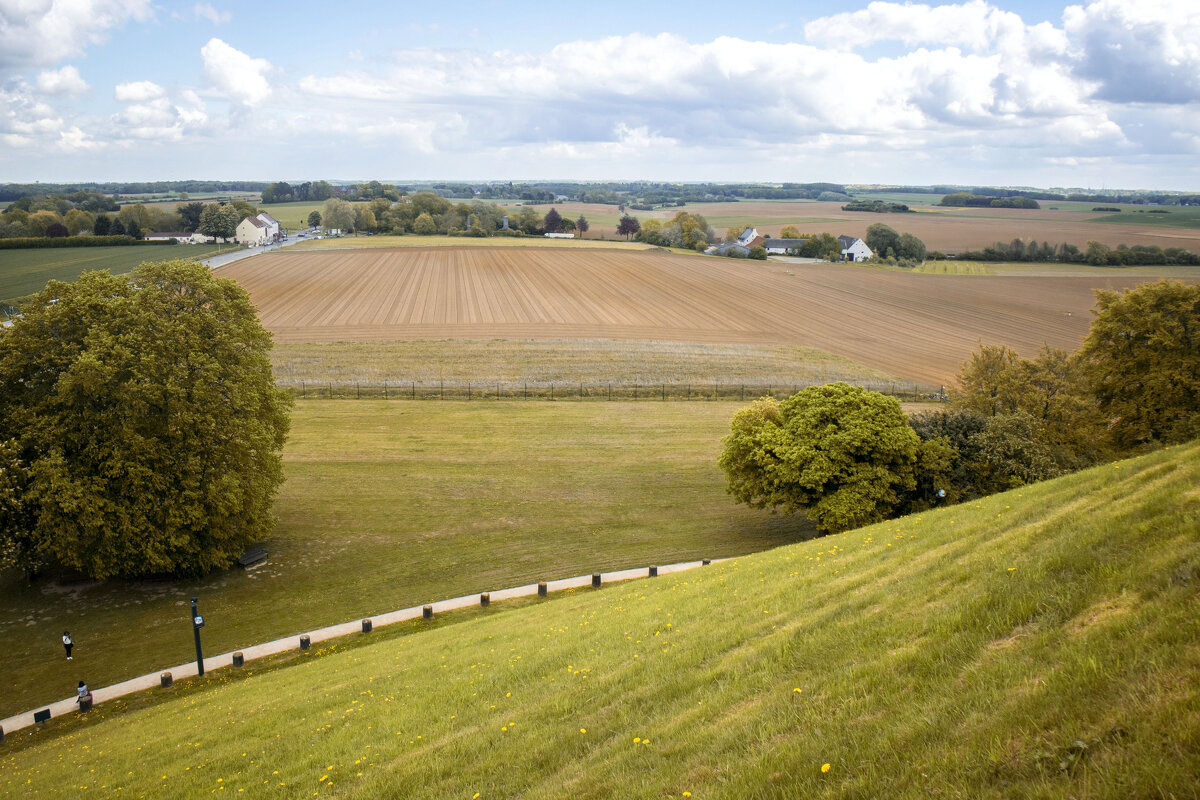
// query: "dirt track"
[[919, 327]]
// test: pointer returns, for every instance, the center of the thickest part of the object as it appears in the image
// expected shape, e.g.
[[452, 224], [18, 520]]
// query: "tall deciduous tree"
[[628, 226], [553, 221], [146, 423], [582, 225], [1142, 356], [844, 454], [219, 221], [337, 213], [789, 232], [314, 219], [882, 239]]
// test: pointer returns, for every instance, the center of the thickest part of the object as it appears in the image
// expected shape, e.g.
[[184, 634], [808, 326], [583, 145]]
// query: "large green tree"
[[142, 422], [1142, 356], [844, 454], [219, 221], [337, 214]]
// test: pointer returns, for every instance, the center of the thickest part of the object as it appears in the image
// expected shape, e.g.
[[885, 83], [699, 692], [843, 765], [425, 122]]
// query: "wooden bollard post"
[[485, 599], [305, 642], [706, 562], [542, 589], [595, 580], [427, 612], [367, 625], [85, 703], [239, 659], [165, 680], [654, 572]]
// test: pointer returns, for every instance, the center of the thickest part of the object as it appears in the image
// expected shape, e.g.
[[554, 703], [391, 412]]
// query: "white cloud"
[[61, 81], [206, 11], [236, 75], [138, 91], [1138, 52], [44, 32]]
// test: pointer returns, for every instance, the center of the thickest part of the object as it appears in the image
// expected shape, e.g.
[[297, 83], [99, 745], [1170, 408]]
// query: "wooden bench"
[[252, 556]]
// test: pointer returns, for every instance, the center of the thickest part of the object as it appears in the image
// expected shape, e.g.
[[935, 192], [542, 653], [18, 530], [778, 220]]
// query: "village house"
[[258, 230], [854, 249]]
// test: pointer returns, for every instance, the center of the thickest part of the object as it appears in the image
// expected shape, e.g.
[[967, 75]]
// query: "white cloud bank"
[[44, 32]]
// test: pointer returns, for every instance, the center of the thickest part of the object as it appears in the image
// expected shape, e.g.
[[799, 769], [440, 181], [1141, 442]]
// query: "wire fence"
[[583, 390]]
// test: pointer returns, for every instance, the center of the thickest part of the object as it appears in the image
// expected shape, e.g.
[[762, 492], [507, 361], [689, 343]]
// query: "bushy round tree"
[[844, 454], [143, 423]]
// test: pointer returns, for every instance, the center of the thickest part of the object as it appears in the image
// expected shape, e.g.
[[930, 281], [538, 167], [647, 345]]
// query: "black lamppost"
[[197, 624]]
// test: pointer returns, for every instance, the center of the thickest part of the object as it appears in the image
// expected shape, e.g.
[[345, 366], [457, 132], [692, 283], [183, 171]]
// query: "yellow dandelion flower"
[[637, 739], [825, 768], [687, 794], [583, 730]]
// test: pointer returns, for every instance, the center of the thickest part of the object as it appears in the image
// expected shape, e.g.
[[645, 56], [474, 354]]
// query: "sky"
[[1102, 94]]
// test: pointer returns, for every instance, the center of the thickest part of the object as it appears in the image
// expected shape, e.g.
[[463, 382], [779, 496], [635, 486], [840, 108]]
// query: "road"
[[217, 261]]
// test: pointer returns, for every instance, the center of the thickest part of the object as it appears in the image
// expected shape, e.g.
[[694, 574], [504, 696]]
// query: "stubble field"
[[912, 326]]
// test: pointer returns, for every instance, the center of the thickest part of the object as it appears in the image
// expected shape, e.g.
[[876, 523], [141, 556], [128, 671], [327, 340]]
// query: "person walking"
[[67, 643]]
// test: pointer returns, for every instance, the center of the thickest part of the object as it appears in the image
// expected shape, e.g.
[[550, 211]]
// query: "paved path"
[[25, 719], [214, 262]]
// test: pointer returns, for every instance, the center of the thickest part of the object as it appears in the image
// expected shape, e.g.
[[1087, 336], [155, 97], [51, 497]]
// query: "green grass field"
[[1038, 643], [292, 216], [388, 505], [25, 272], [1175, 216]]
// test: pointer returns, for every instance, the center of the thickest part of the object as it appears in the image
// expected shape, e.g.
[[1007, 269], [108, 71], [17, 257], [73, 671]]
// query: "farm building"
[[262, 229], [854, 249], [781, 246], [731, 249], [747, 236]]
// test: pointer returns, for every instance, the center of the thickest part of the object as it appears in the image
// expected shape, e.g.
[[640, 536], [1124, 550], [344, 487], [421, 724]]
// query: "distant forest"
[[15, 191], [638, 195]]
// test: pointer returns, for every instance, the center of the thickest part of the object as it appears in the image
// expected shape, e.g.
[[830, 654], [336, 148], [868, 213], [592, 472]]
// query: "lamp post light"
[[197, 624]]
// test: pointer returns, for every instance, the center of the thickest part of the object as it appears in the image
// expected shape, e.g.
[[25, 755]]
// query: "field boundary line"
[[59, 708]]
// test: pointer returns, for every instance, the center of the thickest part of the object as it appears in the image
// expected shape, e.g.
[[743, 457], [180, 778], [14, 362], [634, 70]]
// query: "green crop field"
[[292, 216], [1039, 643], [25, 272], [1157, 216], [388, 505]]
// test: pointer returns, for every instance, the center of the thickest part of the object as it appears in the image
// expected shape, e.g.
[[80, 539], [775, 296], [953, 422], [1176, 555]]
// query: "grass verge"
[[1038, 643]]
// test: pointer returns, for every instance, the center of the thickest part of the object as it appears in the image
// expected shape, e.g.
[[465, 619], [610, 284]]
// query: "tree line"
[[849, 457], [1096, 254]]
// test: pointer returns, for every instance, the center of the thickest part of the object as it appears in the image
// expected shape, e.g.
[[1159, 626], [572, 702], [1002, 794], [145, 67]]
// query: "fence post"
[[385, 397], [664, 392], [331, 390], [581, 390], [551, 390], [414, 390], [743, 391], [468, 390], [610, 391], [357, 391], [302, 389], [526, 390], [442, 389]]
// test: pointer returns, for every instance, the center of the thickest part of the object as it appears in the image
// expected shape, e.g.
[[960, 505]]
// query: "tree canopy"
[[141, 422], [628, 226], [845, 454], [1142, 356]]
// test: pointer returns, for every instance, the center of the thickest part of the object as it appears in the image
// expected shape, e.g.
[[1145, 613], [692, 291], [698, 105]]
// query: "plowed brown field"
[[920, 327]]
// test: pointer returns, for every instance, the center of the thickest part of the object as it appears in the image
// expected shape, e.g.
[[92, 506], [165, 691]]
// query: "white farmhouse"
[[259, 230], [854, 249], [747, 236]]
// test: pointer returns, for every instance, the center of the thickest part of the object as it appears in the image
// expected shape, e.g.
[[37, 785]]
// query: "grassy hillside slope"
[[1039, 643]]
